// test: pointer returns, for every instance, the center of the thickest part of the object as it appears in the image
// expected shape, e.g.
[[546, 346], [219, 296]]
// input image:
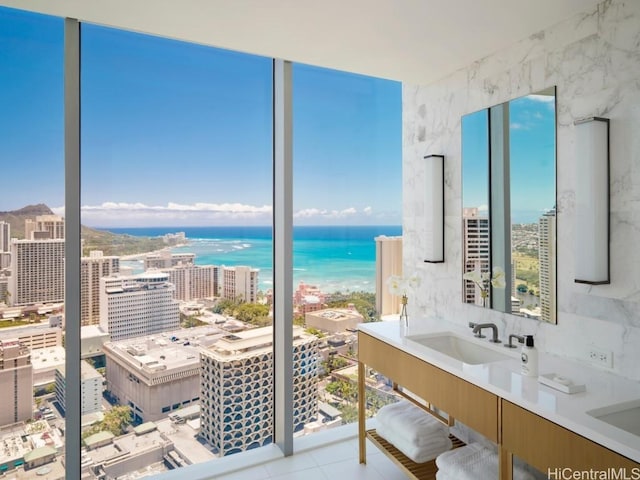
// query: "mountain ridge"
[[108, 242]]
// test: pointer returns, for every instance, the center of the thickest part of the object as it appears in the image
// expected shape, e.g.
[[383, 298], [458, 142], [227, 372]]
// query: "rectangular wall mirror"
[[509, 206]]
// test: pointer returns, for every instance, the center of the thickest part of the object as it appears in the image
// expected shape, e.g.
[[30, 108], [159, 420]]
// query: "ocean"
[[334, 258]]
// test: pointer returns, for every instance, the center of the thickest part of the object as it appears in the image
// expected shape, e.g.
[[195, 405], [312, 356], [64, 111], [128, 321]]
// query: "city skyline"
[[178, 134]]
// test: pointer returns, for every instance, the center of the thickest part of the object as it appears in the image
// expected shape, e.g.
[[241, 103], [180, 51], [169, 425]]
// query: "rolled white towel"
[[437, 443], [474, 462], [410, 421]]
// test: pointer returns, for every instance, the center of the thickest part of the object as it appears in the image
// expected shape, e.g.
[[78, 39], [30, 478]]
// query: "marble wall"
[[594, 61]]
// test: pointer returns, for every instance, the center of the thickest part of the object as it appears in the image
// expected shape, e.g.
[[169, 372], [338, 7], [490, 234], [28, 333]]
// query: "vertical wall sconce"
[[434, 208], [592, 201]]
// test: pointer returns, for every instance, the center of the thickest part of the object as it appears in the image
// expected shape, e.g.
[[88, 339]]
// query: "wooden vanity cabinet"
[[462, 400], [546, 445], [517, 431]]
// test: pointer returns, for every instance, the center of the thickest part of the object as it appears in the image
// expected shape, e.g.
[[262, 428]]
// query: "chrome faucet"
[[477, 330], [511, 337]]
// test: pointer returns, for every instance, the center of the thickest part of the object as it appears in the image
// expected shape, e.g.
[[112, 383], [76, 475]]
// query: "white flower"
[[475, 276], [400, 285], [482, 279], [498, 278], [395, 284]]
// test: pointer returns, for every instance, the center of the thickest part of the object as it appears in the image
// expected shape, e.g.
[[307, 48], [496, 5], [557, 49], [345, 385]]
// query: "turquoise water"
[[332, 258]]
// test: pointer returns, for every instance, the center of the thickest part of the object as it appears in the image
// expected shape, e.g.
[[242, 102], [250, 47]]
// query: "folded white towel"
[[437, 443], [474, 462], [410, 421], [440, 475]]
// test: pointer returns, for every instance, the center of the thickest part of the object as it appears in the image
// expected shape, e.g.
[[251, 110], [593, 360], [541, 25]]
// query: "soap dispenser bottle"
[[529, 358]]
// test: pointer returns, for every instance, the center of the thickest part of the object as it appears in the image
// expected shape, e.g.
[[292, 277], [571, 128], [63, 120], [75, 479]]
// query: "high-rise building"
[[90, 388], [44, 227], [476, 244], [166, 259], [193, 282], [16, 382], [92, 269], [5, 237], [240, 282], [37, 272], [546, 257], [236, 397], [137, 305], [388, 263], [5, 247]]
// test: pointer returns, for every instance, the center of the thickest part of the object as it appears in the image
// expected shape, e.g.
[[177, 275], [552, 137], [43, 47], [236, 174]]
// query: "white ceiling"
[[416, 41]]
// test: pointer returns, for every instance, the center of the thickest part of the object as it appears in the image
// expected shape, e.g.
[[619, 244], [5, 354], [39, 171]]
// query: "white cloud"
[[542, 98], [124, 214], [325, 214]]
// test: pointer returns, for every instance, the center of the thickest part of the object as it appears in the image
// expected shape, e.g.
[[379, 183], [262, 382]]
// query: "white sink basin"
[[625, 415], [465, 350]]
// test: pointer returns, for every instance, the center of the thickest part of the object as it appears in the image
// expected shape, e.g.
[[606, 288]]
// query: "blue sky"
[[532, 156], [180, 134]]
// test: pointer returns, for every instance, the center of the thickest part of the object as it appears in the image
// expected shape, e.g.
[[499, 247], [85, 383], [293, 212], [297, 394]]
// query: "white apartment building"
[[37, 272], [388, 263], [93, 268], [193, 282], [90, 387], [475, 241], [166, 259], [16, 382], [240, 282], [236, 397], [137, 305], [547, 265], [158, 374], [44, 227]]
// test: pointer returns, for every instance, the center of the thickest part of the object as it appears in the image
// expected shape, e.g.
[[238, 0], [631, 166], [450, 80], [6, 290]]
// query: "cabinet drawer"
[[546, 445], [469, 404]]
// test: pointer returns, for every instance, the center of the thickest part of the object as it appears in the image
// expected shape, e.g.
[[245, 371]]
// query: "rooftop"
[[250, 342], [166, 351]]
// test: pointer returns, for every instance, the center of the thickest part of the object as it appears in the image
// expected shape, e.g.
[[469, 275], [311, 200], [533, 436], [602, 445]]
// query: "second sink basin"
[[625, 415], [465, 350]]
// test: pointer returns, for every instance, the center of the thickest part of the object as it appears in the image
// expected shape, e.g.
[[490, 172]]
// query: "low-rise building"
[[92, 339], [34, 337], [45, 361], [157, 374], [91, 388], [334, 320]]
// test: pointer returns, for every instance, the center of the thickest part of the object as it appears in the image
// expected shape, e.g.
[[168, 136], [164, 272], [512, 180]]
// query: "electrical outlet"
[[598, 356]]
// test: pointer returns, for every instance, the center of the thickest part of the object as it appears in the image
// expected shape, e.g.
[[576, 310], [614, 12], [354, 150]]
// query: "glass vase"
[[404, 318]]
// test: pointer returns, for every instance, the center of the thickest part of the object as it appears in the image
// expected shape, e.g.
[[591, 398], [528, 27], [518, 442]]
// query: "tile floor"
[[335, 461]]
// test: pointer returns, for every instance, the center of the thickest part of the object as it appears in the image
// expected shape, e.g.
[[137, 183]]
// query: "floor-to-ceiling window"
[[32, 232], [177, 187], [346, 194], [176, 280]]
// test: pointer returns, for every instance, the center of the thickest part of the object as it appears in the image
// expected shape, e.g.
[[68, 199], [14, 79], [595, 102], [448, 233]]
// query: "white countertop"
[[503, 378]]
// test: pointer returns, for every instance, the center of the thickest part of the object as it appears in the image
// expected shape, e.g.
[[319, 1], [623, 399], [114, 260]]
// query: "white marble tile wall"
[[594, 61]]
